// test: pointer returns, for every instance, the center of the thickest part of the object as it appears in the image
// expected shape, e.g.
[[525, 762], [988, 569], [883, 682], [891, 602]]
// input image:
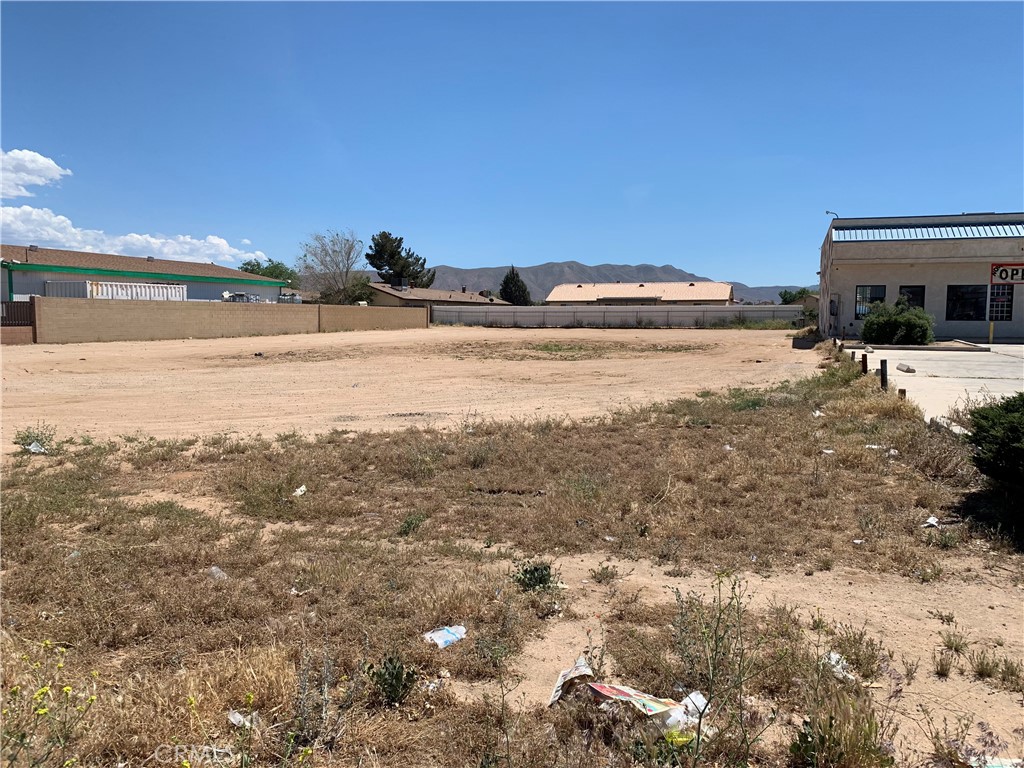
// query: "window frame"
[[1005, 296], [979, 301], [921, 288], [866, 303]]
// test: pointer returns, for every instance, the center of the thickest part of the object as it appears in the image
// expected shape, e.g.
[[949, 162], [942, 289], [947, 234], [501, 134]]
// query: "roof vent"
[[150, 258]]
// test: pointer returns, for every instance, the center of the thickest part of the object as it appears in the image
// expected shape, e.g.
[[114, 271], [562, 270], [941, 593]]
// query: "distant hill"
[[543, 277]]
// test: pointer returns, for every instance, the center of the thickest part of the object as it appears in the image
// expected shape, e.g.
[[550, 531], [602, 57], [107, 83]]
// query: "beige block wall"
[[844, 277], [16, 334], [346, 318], [62, 321]]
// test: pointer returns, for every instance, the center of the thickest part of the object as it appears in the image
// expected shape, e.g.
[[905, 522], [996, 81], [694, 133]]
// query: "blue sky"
[[708, 136]]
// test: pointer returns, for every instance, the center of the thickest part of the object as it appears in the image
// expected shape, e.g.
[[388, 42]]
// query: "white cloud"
[[246, 241], [25, 225], [23, 168]]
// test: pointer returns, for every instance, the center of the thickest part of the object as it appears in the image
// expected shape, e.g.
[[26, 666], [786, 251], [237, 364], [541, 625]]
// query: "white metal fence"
[[614, 317]]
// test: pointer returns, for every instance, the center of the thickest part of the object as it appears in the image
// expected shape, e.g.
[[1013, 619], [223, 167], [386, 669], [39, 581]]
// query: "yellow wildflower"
[[40, 693], [66, 690], [42, 710]]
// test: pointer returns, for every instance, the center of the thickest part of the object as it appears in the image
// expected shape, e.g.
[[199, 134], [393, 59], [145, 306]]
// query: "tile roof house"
[[27, 270], [386, 295], [699, 293]]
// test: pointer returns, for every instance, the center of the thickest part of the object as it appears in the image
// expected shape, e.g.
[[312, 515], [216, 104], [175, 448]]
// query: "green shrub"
[[534, 576], [897, 323], [392, 681], [997, 434]]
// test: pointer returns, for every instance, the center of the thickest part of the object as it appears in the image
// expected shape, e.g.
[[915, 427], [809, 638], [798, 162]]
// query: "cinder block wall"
[[344, 318], [63, 321], [16, 334]]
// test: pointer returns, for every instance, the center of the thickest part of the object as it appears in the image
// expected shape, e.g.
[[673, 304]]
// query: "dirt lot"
[[350, 545], [375, 379]]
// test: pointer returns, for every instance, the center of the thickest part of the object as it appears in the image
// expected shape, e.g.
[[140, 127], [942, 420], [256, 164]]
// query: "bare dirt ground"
[[373, 380]]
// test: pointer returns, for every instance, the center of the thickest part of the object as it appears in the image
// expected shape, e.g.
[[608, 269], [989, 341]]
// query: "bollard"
[[864, 365], [834, 342], [853, 355], [902, 393], [884, 364]]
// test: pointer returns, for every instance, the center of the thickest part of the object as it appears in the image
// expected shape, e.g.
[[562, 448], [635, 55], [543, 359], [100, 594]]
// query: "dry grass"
[[322, 585]]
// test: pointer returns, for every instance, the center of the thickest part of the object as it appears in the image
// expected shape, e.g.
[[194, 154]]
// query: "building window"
[[914, 294], [1000, 302], [966, 302], [866, 296]]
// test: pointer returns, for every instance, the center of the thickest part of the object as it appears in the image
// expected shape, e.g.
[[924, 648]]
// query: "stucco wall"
[[845, 276]]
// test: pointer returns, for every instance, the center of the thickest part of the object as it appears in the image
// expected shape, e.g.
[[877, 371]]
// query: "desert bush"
[[897, 323], [534, 576], [997, 434], [392, 681]]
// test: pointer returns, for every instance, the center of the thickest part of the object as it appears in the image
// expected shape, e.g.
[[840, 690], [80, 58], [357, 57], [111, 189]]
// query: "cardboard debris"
[[445, 636], [644, 702], [580, 669]]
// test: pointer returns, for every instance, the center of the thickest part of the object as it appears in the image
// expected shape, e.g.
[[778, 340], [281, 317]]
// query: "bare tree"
[[332, 265]]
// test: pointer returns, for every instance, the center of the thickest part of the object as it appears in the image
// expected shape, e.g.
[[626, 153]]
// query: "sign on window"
[[1007, 274]]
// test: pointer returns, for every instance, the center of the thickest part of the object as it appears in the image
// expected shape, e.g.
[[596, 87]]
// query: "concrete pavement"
[[944, 378]]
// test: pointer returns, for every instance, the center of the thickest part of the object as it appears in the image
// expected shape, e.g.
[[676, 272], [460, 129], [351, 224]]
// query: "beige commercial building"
[[699, 293], [965, 270]]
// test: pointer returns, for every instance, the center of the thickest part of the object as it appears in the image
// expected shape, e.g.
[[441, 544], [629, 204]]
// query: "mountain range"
[[541, 278]]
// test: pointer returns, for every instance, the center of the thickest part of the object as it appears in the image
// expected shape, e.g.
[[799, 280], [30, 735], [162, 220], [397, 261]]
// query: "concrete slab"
[[944, 378]]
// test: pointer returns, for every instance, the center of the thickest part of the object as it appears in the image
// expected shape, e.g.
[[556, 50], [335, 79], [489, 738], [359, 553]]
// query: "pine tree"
[[514, 290], [392, 261]]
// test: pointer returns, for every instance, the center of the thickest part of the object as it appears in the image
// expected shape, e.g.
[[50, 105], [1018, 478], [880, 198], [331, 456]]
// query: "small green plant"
[[909, 668], [946, 617], [984, 665], [392, 681], [943, 663], [862, 653], [606, 574], [42, 433], [44, 716], [534, 576], [897, 323], [1011, 674], [411, 523], [842, 728], [954, 641]]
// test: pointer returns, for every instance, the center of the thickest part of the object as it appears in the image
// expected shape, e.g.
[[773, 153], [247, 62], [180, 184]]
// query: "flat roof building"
[[948, 265]]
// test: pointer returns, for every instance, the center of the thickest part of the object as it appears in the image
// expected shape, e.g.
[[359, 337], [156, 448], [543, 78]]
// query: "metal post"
[[853, 355], [991, 331], [864, 365], [885, 374]]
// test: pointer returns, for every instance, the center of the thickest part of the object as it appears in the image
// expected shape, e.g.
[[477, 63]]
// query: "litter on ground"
[[216, 573], [906, 368], [931, 522], [35, 447], [578, 670], [839, 666], [445, 636], [299, 491]]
